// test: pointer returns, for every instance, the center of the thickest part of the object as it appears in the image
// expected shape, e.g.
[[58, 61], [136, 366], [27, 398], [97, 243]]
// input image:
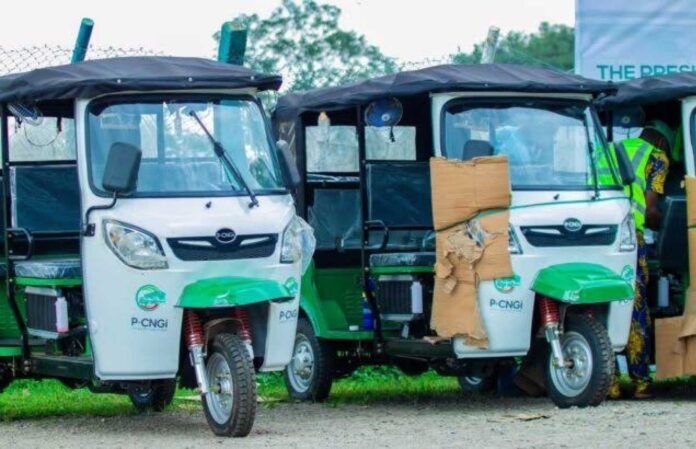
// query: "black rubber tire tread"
[[164, 394], [411, 367], [5, 380], [160, 396], [603, 363], [241, 419], [324, 357], [487, 385]]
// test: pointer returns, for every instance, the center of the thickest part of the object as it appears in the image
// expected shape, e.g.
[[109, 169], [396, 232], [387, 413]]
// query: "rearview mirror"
[[121, 170], [287, 160], [628, 175]]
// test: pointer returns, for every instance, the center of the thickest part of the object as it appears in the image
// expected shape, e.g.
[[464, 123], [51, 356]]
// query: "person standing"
[[649, 156]]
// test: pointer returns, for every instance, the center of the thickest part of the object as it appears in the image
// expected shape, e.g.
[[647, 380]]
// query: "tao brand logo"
[[572, 225], [225, 236]]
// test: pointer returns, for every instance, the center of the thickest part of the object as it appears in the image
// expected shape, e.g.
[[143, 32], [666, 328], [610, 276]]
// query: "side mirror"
[[121, 170], [628, 175], [289, 165]]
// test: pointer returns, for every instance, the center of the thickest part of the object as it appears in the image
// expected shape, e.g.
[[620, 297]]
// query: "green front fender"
[[235, 291], [582, 283]]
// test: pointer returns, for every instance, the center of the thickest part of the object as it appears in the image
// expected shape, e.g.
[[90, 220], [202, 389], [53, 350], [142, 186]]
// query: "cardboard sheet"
[[470, 213], [675, 338], [495, 262], [456, 314], [668, 359], [690, 182], [466, 253], [692, 254], [461, 189]]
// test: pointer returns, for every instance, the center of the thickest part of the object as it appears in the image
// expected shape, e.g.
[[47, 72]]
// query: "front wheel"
[[309, 375], [477, 384], [590, 370], [155, 396], [230, 405]]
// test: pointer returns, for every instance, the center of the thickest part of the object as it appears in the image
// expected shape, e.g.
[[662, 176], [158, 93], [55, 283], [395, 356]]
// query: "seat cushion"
[[419, 259], [49, 268]]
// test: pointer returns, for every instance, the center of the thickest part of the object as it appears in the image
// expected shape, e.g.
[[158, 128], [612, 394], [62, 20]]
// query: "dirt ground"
[[464, 422]]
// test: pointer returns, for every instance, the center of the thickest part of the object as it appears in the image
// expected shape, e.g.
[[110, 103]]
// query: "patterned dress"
[[639, 337]]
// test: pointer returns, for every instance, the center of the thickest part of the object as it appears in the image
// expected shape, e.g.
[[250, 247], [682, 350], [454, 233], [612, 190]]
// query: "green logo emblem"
[[506, 285], [149, 297], [628, 273], [292, 286]]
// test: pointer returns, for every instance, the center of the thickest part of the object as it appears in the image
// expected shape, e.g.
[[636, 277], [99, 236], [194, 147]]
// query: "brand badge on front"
[[572, 225], [149, 298], [628, 274], [292, 286], [508, 284], [225, 236]]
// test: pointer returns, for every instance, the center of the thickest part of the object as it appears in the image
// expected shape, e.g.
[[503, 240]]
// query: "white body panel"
[[508, 315], [131, 343]]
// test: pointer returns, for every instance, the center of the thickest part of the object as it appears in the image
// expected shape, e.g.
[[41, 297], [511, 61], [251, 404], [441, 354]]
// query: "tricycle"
[[149, 233], [363, 152]]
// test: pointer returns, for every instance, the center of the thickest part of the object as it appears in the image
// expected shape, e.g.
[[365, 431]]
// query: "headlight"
[[628, 234], [514, 246], [298, 243], [135, 247]]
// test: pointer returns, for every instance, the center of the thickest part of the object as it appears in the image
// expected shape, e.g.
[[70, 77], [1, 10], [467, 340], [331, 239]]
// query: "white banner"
[[626, 39]]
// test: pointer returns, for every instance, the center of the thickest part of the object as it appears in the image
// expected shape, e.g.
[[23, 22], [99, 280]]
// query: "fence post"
[[82, 42], [490, 46], [233, 40]]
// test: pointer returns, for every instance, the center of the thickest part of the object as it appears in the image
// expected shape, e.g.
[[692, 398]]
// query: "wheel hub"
[[572, 379], [301, 368], [220, 397]]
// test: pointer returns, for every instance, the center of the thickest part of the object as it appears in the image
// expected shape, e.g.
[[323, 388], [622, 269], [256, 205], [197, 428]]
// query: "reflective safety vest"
[[638, 151]]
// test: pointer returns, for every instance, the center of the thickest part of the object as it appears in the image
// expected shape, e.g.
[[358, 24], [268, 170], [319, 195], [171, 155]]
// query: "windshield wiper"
[[221, 153]]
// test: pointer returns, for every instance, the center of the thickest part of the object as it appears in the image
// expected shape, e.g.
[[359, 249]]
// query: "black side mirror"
[[628, 175], [121, 170], [289, 166]]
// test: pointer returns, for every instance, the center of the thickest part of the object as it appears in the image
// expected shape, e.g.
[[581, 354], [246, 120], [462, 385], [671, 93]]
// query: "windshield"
[[178, 157], [549, 144]]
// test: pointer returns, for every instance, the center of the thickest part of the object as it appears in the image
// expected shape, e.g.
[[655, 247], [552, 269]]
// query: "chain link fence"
[[13, 60]]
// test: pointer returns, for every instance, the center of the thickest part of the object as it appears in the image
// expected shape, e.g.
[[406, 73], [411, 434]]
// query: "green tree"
[[551, 44], [302, 40]]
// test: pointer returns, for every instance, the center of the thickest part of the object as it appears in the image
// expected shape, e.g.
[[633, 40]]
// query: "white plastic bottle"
[[663, 292], [416, 297], [61, 315]]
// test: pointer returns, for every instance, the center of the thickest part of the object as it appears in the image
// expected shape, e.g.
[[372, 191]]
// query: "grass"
[[26, 399]]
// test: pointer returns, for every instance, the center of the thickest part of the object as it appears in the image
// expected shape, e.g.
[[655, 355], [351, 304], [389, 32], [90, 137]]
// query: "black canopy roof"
[[442, 78], [140, 73], [650, 90]]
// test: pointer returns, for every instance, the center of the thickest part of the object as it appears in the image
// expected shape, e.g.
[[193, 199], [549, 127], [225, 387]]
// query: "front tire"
[[155, 396], [230, 405], [586, 343], [309, 375], [477, 384]]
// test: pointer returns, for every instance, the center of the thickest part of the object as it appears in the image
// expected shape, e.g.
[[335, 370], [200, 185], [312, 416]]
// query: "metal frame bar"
[[365, 232], [7, 215]]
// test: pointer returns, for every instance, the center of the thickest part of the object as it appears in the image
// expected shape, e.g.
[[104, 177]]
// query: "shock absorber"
[[242, 316], [548, 311], [193, 334]]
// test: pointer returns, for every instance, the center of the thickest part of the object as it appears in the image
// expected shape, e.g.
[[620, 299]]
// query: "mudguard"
[[233, 291], [582, 283]]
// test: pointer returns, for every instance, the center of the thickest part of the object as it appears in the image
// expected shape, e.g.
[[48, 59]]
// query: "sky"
[[409, 30]]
